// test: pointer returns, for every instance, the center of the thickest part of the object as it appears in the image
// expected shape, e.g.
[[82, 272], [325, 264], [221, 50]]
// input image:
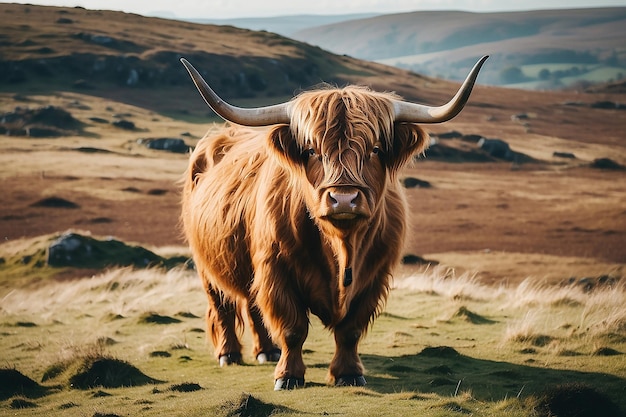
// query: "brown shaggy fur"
[[257, 216]]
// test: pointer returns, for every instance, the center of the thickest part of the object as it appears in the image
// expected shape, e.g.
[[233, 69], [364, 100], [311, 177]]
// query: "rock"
[[496, 148], [520, 116], [75, 250], [411, 182], [54, 116], [43, 122], [441, 152], [606, 163], [608, 105], [124, 124], [133, 77], [450, 135], [55, 202], [499, 149], [43, 132], [166, 144], [471, 138], [411, 259], [567, 155]]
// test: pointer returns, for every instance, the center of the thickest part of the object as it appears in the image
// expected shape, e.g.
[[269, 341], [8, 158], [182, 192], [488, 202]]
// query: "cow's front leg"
[[290, 369], [346, 368], [288, 322]]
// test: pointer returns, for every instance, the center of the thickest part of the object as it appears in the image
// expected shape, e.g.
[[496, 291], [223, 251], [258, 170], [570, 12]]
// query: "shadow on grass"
[[442, 370]]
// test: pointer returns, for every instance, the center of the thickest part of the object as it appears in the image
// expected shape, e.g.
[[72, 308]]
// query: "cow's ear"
[[283, 145], [408, 140]]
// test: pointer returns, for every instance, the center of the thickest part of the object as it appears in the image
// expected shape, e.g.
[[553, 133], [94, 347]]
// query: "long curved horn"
[[259, 116], [419, 113]]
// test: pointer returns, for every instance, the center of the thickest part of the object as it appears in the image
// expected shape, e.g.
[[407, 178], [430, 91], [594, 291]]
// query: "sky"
[[223, 9]]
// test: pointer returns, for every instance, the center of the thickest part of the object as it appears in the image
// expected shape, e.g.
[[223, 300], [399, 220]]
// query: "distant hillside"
[[544, 49], [284, 25], [135, 59]]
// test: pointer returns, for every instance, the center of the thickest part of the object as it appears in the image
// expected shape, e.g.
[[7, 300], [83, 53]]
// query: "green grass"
[[443, 347]]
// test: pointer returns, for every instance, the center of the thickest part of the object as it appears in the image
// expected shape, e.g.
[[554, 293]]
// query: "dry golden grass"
[[422, 355]]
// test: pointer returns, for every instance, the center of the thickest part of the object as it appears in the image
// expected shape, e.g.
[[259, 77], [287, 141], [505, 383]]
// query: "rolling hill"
[[283, 25], [568, 45], [136, 59]]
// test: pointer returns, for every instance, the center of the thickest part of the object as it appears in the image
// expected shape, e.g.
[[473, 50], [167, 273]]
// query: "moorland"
[[510, 300]]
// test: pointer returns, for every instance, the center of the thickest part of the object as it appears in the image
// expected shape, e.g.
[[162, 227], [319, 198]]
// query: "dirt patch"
[[440, 352], [160, 354], [248, 406], [186, 387], [13, 382], [606, 351], [108, 373], [55, 202], [575, 399], [465, 314], [154, 318], [21, 403]]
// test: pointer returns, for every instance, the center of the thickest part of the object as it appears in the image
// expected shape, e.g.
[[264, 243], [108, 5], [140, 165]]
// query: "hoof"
[[288, 383], [350, 381], [271, 356], [230, 359]]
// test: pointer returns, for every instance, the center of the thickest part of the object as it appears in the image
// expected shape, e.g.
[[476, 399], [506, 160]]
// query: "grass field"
[[445, 345], [131, 342]]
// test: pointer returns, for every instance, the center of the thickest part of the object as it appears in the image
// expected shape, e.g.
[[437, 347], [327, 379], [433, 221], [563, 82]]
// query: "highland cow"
[[305, 215]]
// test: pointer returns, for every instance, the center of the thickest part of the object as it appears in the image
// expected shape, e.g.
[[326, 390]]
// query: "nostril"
[[343, 199]]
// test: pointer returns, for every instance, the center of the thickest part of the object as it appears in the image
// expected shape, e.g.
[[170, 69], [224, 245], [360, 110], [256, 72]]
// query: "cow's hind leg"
[[264, 348], [221, 317]]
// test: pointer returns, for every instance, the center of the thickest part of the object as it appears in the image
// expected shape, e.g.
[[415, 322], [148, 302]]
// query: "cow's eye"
[[309, 152], [376, 151]]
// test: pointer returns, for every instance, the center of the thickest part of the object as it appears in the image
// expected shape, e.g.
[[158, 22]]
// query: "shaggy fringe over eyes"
[[343, 113]]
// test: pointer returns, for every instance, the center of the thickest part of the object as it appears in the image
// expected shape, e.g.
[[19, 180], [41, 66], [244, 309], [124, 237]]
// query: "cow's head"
[[342, 144], [345, 141]]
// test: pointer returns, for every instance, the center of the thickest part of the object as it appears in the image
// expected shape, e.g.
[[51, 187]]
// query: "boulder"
[[124, 124], [566, 155], [450, 135], [496, 148], [606, 163], [499, 149], [48, 121], [74, 250], [441, 152], [411, 182], [166, 144]]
